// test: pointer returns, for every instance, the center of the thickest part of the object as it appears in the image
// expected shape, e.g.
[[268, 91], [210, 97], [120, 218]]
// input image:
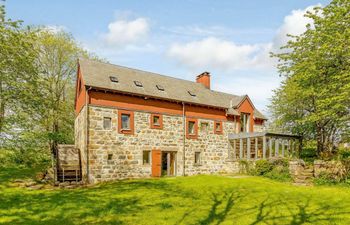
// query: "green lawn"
[[183, 200]]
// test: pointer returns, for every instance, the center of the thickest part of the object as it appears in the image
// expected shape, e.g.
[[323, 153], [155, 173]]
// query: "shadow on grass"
[[128, 202], [227, 200], [300, 213]]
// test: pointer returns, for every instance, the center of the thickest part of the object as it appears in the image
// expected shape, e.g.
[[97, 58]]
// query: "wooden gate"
[[156, 163]]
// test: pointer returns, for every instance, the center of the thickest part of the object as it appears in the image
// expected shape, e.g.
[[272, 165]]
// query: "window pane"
[[156, 120], [126, 121], [218, 126], [146, 157], [191, 127], [245, 122], [106, 123], [197, 157]]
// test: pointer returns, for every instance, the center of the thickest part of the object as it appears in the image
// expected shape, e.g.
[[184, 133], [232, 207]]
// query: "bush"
[[277, 169], [344, 153], [262, 167], [308, 154], [280, 173]]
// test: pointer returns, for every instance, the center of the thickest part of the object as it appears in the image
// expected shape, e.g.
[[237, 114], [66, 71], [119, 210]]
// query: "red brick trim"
[[157, 126], [221, 127], [195, 135], [131, 114]]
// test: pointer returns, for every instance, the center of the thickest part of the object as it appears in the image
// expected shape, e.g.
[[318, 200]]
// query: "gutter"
[[184, 138], [87, 135]]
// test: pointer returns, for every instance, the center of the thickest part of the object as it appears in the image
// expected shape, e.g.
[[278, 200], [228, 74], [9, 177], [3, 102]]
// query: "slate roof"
[[97, 74]]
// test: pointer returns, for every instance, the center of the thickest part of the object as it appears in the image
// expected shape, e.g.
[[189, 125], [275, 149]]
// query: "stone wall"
[[334, 168], [127, 150], [80, 139]]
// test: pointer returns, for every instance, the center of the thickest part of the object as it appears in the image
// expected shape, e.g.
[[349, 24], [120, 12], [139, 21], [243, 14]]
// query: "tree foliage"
[[37, 89], [314, 98]]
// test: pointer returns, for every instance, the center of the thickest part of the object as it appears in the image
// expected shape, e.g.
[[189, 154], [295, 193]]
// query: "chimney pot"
[[204, 78]]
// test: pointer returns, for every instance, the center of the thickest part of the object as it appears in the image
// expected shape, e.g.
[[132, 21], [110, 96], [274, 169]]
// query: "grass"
[[182, 200]]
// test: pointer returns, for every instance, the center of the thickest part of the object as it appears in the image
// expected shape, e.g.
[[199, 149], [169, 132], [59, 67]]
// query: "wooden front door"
[[156, 163]]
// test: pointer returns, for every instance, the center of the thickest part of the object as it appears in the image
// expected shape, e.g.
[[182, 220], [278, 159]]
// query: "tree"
[[18, 75], [57, 63], [314, 98]]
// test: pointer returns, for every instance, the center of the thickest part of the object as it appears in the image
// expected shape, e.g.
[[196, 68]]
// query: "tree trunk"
[[319, 139]]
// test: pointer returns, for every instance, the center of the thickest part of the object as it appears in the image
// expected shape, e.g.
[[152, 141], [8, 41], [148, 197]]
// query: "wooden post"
[[270, 147], [264, 147], [248, 148], [234, 148], [240, 148], [76, 175], [168, 163], [277, 146], [256, 148], [288, 147], [63, 173], [283, 145]]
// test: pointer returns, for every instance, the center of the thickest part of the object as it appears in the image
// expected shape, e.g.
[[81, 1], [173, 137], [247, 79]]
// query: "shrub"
[[262, 167], [308, 154], [245, 167], [280, 173], [344, 153], [277, 169]]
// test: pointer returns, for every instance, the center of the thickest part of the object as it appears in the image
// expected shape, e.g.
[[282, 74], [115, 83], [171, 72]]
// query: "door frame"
[[168, 154]]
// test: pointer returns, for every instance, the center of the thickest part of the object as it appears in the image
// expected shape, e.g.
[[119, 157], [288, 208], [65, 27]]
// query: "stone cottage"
[[131, 123]]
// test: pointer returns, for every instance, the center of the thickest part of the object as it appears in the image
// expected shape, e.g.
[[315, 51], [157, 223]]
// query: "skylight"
[[160, 87], [114, 79], [138, 83], [191, 93]]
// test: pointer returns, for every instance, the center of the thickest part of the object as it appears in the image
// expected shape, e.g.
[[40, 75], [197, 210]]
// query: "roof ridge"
[[144, 71]]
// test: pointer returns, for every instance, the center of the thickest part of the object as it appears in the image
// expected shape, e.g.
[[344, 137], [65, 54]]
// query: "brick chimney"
[[204, 78]]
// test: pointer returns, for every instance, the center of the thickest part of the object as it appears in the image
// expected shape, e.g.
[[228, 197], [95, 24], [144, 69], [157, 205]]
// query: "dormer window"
[[192, 94], [114, 79], [160, 87], [138, 83]]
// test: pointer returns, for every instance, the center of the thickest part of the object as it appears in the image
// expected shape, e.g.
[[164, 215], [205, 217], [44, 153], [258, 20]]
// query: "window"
[[114, 79], [160, 87], [125, 122], [191, 125], [204, 127], [146, 158], [156, 121], [245, 122], [191, 128], [138, 83], [107, 123], [197, 158], [218, 127], [110, 156]]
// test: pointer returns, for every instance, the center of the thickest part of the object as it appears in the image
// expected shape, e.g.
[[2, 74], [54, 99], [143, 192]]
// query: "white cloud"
[[55, 28], [215, 53], [212, 52], [123, 32], [294, 24]]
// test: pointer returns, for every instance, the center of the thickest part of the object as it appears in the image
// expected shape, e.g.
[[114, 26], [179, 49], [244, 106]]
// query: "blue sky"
[[230, 39]]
